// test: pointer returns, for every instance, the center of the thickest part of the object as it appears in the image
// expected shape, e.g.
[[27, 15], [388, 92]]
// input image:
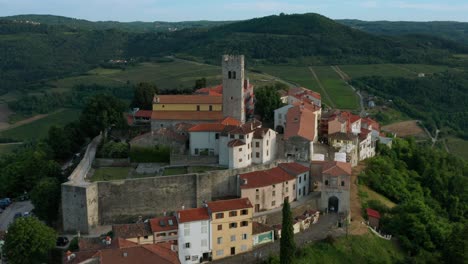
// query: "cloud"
[[430, 6]]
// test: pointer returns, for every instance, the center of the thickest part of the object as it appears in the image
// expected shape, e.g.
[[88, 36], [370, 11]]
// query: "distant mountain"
[[456, 31], [137, 26]]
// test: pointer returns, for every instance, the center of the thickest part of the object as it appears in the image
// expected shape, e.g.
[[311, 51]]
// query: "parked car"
[[17, 215], [26, 214], [5, 202], [61, 241]]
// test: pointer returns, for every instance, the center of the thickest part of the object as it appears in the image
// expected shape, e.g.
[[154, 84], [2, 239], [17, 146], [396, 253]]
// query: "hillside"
[[136, 26], [455, 31]]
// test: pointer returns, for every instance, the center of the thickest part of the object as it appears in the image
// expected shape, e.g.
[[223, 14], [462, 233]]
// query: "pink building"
[[268, 189]]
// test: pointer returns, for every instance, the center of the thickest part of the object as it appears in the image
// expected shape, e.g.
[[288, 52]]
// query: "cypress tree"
[[287, 244]]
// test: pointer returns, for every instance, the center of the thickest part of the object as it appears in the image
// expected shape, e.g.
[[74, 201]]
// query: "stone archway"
[[280, 129], [333, 203]]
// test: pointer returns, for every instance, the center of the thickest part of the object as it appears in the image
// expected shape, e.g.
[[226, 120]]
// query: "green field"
[[458, 146], [38, 129], [366, 194], [110, 173], [390, 70]]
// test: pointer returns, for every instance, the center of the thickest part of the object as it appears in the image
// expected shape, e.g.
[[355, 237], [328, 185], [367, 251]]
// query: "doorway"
[[233, 251], [333, 204]]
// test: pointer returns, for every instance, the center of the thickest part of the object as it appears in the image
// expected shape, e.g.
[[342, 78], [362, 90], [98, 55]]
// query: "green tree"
[[143, 95], [287, 244], [200, 83], [267, 100], [45, 197], [60, 143], [28, 241]]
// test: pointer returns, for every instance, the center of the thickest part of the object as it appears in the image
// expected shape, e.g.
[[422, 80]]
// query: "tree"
[[60, 143], [143, 95], [267, 100], [45, 197], [287, 244], [200, 83], [28, 241]]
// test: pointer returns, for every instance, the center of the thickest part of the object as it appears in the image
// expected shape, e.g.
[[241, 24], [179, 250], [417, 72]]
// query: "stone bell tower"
[[233, 86]]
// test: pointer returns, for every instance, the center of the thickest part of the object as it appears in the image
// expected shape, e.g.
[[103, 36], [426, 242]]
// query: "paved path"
[[16, 207], [324, 227]]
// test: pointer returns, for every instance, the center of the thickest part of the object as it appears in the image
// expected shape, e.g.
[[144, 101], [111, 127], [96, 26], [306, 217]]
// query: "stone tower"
[[233, 86]]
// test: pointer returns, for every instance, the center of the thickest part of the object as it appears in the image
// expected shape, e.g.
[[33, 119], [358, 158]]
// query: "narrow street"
[[16, 207]]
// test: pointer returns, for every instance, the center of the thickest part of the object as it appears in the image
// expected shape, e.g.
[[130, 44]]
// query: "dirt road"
[[356, 228], [321, 87]]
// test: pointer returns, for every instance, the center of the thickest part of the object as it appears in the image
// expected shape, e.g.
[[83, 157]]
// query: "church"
[[234, 98]]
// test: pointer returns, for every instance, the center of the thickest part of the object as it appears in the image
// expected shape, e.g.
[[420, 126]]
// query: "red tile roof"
[[235, 143], [375, 125], [259, 133], [294, 168], [142, 254], [335, 168], [246, 128], [187, 99], [310, 106], [195, 214], [157, 227], [132, 230], [144, 113], [187, 115], [230, 121], [229, 205], [373, 213], [264, 178], [300, 122], [258, 228], [208, 127]]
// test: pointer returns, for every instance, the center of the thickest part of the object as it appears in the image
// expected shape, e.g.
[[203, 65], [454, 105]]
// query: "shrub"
[[115, 150], [154, 154], [74, 246]]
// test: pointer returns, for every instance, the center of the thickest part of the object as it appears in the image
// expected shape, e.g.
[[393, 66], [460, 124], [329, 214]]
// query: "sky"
[[186, 10]]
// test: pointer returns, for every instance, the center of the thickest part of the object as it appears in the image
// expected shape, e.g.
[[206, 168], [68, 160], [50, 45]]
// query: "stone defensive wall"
[[89, 204]]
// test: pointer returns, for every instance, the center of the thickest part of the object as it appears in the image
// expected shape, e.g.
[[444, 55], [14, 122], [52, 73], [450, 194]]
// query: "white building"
[[280, 118], [302, 174], [195, 235], [366, 145]]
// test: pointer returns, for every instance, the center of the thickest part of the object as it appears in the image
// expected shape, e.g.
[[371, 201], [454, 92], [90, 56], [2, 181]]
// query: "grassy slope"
[[38, 129], [458, 147], [352, 249], [366, 194], [391, 70], [110, 173]]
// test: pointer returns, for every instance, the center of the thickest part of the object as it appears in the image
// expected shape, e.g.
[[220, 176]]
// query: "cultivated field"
[[458, 146], [391, 70], [405, 129], [38, 129]]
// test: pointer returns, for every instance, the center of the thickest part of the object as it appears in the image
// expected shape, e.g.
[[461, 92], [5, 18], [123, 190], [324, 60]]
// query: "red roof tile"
[[264, 178], [373, 213], [157, 227], [310, 106], [187, 115], [260, 132], [208, 127], [132, 230], [235, 143], [144, 113], [335, 168], [230, 121], [375, 125], [187, 99], [258, 228], [142, 254], [300, 122], [195, 214], [229, 205], [294, 168]]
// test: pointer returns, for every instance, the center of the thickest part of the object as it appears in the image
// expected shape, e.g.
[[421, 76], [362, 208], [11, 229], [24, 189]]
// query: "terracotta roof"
[[230, 121], [310, 106], [90, 246], [235, 143], [264, 178], [218, 89], [342, 136], [229, 205], [187, 99], [132, 230], [182, 127], [195, 214], [300, 122], [364, 133], [260, 132], [144, 113], [142, 254], [334, 168], [354, 118], [161, 224], [187, 115], [375, 125], [208, 127], [294, 168], [258, 228], [246, 128], [373, 213]]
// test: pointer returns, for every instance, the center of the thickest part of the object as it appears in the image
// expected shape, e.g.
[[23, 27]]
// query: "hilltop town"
[[231, 207]]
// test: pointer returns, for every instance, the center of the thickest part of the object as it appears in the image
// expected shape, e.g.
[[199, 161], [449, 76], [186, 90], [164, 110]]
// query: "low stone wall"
[[111, 162], [180, 159]]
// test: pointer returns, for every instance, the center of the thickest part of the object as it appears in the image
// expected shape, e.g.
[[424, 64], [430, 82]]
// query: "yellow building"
[[231, 227]]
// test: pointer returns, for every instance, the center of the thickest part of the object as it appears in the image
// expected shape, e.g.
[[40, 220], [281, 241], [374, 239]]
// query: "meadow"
[[391, 70], [458, 146]]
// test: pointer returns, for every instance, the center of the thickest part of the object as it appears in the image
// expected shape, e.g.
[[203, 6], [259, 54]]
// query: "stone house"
[[231, 225], [194, 237], [267, 189], [139, 233], [301, 173], [346, 143]]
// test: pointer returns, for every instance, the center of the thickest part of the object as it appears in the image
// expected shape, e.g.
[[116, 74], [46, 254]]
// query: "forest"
[[439, 100], [429, 187]]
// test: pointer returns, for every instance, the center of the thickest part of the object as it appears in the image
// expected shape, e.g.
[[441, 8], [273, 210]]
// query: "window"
[[231, 136], [219, 215], [305, 177], [240, 160], [241, 136], [244, 212], [211, 108], [273, 203], [204, 227], [196, 151], [257, 155], [187, 257], [187, 245], [257, 144], [244, 236], [267, 142], [229, 75], [257, 197], [326, 182], [243, 247], [162, 125], [145, 237], [233, 225], [267, 152], [187, 229], [240, 149], [287, 189], [300, 179], [204, 243], [280, 116], [194, 257], [294, 186], [198, 108], [220, 252], [247, 136], [220, 227], [232, 213], [233, 74], [244, 223], [299, 191], [342, 183], [273, 193], [219, 240], [248, 157], [217, 136], [256, 190], [233, 238], [274, 186], [232, 97]]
